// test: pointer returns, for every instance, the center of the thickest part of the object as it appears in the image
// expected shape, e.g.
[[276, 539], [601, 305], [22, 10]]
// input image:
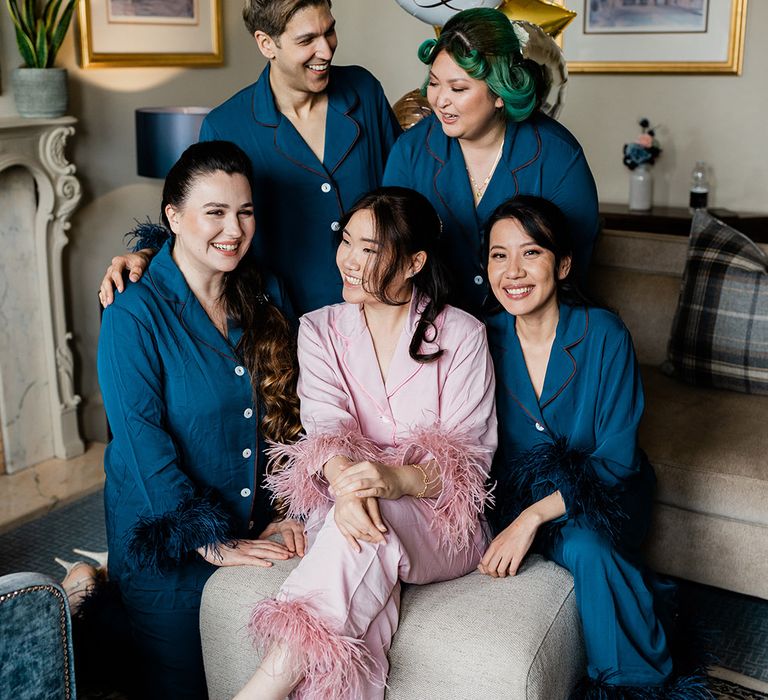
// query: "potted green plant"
[[40, 89]]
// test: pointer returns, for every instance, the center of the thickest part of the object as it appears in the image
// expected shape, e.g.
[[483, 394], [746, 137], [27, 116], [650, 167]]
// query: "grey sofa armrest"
[[36, 659]]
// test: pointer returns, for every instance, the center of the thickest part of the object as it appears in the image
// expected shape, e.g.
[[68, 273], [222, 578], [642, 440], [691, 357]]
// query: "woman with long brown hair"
[[196, 367]]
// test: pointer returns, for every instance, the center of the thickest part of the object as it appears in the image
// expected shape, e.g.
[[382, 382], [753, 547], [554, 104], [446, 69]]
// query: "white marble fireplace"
[[38, 193]]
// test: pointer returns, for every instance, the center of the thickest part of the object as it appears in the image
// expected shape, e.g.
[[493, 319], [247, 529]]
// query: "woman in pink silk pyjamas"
[[397, 400]]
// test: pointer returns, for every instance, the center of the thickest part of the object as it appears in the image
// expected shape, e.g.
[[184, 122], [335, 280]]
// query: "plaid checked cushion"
[[720, 331]]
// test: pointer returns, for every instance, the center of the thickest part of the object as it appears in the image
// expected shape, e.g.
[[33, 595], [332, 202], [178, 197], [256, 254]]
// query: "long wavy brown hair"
[[268, 350]]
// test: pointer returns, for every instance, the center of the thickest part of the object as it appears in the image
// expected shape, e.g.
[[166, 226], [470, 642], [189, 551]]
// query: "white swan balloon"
[[438, 12]]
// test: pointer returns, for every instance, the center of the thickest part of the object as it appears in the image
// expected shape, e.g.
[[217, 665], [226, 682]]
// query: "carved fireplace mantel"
[[39, 192]]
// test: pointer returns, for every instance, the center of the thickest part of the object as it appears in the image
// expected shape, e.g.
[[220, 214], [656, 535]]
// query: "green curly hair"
[[482, 42]]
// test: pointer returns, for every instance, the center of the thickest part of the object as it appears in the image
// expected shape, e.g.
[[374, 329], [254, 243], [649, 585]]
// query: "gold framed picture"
[[115, 33], [655, 36]]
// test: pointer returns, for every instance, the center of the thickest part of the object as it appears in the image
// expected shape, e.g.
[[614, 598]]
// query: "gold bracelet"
[[426, 480]]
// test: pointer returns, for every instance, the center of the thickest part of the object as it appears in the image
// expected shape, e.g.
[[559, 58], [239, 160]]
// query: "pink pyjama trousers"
[[337, 611]]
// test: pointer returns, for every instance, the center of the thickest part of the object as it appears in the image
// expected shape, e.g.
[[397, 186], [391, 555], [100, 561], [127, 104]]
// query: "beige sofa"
[[472, 638], [519, 637], [709, 447]]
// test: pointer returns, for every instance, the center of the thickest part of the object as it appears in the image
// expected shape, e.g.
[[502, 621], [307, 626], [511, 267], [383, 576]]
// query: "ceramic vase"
[[40, 92], [641, 188]]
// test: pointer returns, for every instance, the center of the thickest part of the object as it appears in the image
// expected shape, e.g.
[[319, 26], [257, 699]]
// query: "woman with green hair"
[[487, 141]]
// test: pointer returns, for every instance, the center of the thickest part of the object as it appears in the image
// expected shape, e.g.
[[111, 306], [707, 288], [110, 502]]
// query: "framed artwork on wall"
[[116, 33], [655, 36]]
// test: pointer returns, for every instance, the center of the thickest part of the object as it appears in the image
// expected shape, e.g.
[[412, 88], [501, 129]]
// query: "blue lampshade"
[[163, 134]]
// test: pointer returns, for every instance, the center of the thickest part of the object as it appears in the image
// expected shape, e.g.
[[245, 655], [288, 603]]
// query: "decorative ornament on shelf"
[[438, 12], [550, 17], [639, 156], [40, 89], [644, 149]]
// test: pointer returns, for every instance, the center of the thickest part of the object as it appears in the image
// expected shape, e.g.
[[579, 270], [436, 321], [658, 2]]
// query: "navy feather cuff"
[[162, 542], [551, 467], [147, 235], [693, 686]]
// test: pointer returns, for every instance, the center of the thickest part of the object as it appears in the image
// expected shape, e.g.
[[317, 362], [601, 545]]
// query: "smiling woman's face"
[[214, 226], [465, 106], [358, 255], [521, 272]]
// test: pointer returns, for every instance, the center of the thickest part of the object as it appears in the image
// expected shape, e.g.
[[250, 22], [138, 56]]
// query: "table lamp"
[[163, 134]]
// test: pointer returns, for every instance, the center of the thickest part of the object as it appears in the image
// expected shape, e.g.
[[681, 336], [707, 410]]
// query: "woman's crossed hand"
[[245, 553], [359, 519], [259, 552], [369, 480], [291, 532]]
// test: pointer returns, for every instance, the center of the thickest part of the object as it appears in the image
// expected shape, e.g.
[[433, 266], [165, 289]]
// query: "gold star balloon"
[[550, 17]]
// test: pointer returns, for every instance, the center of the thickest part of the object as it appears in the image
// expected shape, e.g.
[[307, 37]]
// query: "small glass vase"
[[641, 188]]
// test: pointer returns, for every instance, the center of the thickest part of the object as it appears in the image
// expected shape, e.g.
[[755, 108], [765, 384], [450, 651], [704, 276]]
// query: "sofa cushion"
[[709, 448], [472, 638], [720, 331]]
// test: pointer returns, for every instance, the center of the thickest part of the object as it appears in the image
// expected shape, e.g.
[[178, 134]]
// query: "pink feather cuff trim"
[[297, 477], [333, 667], [463, 466]]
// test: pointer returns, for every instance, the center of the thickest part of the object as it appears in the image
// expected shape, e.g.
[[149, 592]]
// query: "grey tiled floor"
[[736, 626], [32, 546]]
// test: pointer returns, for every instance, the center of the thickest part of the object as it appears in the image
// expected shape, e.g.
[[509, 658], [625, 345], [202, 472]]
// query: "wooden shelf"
[[676, 221]]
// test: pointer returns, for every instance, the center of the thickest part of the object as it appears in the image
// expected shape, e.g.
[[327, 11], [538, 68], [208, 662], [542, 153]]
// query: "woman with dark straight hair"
[[396, 394], [406, 224], [197, 369], [572, 482]]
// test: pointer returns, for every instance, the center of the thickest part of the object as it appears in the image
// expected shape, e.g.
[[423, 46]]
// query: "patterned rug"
[[724, 690], [729, 685]]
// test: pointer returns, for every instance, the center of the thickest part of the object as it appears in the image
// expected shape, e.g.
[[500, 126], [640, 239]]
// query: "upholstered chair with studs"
[[36, 659]]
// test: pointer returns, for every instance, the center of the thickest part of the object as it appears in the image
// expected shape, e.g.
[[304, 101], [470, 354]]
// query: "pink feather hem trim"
[[297, 476], [332, 666], [463, 466]]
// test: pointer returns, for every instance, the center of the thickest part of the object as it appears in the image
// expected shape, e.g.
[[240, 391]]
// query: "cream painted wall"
[[715, 118], [104, 100]]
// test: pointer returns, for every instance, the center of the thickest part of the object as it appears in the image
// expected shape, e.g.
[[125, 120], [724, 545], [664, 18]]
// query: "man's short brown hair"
[[272, 16]]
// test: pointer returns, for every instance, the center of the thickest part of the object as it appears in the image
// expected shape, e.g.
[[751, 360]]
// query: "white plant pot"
[[40, 92]]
